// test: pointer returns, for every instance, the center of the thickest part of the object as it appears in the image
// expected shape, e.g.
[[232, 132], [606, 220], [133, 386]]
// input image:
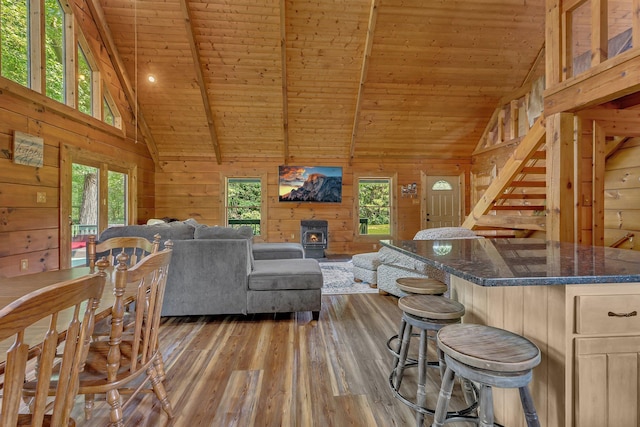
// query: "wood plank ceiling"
[[327, 79]]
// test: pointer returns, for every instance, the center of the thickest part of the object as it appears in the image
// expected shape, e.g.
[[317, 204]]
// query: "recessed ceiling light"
[[151, 78]]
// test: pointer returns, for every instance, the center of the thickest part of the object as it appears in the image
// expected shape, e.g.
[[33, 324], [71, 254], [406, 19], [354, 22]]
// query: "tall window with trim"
[[39, 46], [244, 202], [54, 50], [374, 206], [14, 43], [85, 83]]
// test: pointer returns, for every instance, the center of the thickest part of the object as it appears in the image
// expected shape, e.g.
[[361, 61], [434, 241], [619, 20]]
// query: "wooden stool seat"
[[489, 348], [421, 285], [490, 357], [431, 307]]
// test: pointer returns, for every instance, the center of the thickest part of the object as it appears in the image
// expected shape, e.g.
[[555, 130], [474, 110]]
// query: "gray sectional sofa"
[[219, 270]]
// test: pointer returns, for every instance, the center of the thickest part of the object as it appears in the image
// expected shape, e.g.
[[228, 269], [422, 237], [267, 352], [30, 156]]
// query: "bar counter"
[[524, 262], [578, 304]]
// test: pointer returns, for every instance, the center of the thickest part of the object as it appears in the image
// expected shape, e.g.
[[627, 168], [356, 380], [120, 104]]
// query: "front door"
[[441, 201]]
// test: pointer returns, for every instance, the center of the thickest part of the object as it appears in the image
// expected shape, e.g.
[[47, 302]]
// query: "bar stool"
[[414, 285], [426, 313], [491, 357], [421, 285]]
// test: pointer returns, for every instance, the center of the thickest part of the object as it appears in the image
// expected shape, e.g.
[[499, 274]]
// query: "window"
[[374, 206], [14, 43], [96, 193], [441, 185], [33, 31], [85, 83], [107, 114], [244, 203], [54, 50], [117, 199], [110, 113]]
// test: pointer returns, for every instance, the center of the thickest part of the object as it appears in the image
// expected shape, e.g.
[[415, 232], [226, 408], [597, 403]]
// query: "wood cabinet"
[[606, 350], [589, 374]]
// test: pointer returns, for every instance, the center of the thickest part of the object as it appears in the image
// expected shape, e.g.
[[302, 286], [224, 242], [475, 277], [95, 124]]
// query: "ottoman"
[[365, 267]]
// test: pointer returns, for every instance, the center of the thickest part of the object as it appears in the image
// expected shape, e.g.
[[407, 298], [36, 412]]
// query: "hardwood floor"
[[278, 370]]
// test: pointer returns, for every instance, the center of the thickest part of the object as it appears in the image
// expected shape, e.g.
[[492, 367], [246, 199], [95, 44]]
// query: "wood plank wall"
[[622, 195], [194, 189], [30, 230]]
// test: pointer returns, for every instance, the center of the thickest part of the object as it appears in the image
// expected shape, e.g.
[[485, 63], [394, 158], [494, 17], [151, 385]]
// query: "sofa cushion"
[[217, 232], [270, 275], [277, 250]]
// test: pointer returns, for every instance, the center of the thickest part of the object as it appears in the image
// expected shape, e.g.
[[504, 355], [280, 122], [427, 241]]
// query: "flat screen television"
[[310, 184]]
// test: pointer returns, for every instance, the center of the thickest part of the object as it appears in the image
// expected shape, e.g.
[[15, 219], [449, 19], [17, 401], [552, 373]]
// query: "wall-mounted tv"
[[310, 184]]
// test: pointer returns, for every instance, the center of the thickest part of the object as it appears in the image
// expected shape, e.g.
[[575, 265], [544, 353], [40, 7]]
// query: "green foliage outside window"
[[107, 114], [14, 40], [54, 49], [117, 186], [84, 196], [84, 83], [244, 196], [375, 204]]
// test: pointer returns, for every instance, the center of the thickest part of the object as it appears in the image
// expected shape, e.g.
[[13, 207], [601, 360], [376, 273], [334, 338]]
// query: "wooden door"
[[441, 201]]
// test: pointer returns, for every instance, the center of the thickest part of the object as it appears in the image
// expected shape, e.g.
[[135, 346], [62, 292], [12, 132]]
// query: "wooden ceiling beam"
[[285, 94], [373, 15], [197, 62], [105, 33]]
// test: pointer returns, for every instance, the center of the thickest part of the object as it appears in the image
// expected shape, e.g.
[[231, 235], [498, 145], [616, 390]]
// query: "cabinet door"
[[606, 381]]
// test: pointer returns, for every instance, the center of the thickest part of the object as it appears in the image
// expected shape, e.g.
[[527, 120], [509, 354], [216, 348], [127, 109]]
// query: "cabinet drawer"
[[598, 314]]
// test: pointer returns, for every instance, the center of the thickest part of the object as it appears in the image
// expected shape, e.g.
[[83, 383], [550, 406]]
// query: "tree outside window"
[[54, 50], [374, 205], [244, 203], [14, 43], [85, 95]]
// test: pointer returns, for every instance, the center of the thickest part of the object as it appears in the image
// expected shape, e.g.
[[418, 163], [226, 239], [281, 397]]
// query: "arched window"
[[441, 185]]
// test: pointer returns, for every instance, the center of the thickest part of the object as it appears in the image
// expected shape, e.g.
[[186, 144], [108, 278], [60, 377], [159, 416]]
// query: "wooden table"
[[13, 288]]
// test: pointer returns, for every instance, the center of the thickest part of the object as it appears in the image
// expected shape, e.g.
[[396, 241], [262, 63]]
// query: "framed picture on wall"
[[310, 184]]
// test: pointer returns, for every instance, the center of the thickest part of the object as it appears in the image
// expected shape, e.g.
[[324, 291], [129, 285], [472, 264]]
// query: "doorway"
[[97, 192], [440, 205]]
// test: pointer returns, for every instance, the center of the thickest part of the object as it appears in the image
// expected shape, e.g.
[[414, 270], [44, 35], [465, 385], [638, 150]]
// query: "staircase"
[[513, 205]]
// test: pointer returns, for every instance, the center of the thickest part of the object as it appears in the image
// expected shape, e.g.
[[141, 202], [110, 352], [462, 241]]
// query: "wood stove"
[[313, 237]]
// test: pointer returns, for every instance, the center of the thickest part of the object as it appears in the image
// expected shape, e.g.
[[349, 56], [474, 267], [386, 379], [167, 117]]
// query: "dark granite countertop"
[[524, 262]]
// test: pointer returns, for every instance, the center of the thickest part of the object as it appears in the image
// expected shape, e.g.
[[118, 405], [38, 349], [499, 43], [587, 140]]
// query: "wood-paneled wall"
[[31, 230], [194, 189], [622, 195]]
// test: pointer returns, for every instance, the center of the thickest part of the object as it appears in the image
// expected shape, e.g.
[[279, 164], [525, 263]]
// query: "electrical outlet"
[[375, 246], [293, 236], [24, 264], [41, 197]]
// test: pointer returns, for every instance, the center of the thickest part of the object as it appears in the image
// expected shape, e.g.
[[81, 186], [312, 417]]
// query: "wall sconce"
[[410, 190]]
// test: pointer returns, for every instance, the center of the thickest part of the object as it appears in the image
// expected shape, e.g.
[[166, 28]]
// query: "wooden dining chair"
[[135, 247], [63, 311], [111, 365]]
